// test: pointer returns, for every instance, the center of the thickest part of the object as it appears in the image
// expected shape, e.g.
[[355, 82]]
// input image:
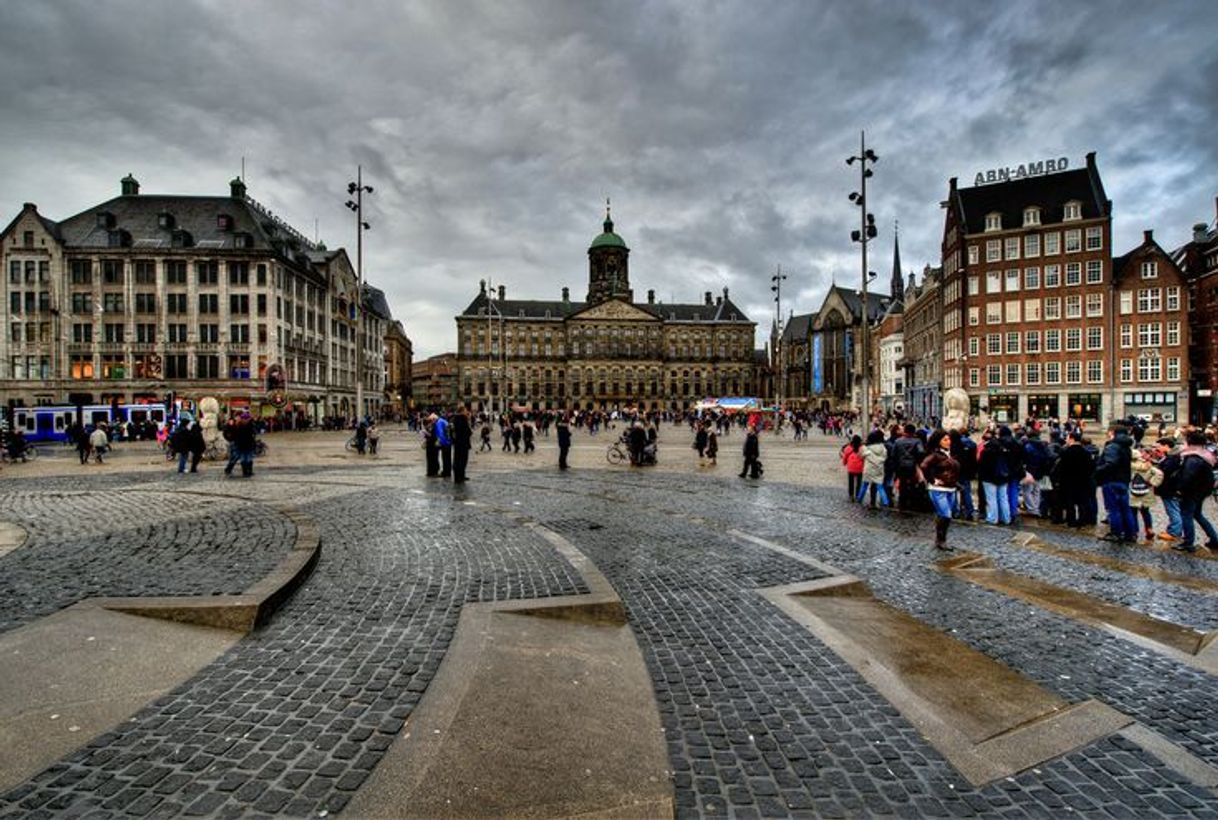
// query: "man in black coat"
[[752, 454], [907, 454], [1195, 484], [1074, 476], [462, 435], [564, 440]]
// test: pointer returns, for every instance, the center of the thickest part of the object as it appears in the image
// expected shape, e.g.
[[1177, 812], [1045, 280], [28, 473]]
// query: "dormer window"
[[224, 222], [243, 240], [182, 239], [165, 220], [1073, 210], [993, 222], [1031, 216], [520, 313], [120, 239], [105, 220]]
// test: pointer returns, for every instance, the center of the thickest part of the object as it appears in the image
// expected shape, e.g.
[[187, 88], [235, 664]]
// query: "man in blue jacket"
[[1112, 474], [444, 440]]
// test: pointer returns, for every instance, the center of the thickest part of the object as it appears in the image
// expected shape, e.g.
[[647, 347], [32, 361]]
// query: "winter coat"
[[874, 456], [1196, 479], [752, 446], [1036, 458], [1075, 471], [462, 434], [1170, 465], [853, 459], [965, 454], [1114, 462], [907, 454], [992, 467], [1012, 453], [940, 470]]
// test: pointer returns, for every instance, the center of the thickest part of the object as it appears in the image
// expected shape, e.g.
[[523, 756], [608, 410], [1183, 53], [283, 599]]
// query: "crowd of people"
[[1056, 472]]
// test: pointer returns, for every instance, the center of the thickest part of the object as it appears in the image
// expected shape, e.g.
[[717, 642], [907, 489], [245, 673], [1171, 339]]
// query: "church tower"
[[608, 266], [898, 281]]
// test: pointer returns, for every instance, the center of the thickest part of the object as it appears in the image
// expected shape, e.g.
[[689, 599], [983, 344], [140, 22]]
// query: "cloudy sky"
[[492, 132]]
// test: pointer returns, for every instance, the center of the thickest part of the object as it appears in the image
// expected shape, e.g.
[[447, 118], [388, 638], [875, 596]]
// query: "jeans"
[[182, 462], [966, 498], [1190, 512], [1013, 499], [1172, 507], [1031, 497], [997, 503], [944, 503], [1121, 519], [876, 488]]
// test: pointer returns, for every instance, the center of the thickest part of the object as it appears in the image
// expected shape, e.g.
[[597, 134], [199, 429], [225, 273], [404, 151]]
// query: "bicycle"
[[617, 453], [260, 448], [30, 453]]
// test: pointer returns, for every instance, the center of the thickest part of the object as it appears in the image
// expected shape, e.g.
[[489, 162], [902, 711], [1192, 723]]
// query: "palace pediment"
[[614, 309]]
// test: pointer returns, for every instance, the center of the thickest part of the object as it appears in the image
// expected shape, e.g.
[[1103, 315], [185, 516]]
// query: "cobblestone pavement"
[[761, 719]]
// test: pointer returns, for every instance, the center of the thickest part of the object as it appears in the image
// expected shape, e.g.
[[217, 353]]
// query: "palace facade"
[[606, 352]]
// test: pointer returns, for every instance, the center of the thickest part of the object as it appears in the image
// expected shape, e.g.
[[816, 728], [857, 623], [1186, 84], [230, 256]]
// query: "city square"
[[732, 694]]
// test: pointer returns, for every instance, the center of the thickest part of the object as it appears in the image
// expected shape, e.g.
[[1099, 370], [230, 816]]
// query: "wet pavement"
[[761, 718]]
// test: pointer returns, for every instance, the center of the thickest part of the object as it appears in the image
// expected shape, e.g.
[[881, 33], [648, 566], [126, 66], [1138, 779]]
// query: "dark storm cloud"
[[493, 132]]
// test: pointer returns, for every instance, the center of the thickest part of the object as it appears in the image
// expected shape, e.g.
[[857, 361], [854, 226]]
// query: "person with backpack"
[[1112, 473], [1144, 476], [964, 451], [852, 458], [1012, 452], [907, 454], [993, 468], [1196, 483], [1036, 463]]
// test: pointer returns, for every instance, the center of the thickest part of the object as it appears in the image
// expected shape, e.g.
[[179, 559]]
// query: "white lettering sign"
[[1031, 169]]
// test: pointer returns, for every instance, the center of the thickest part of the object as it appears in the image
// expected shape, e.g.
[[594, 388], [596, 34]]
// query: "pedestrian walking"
[[528, 433], [712, 447], [361, 438], [564, 440], [99, 442], [752, 454], [941, 473], [374, 437], [1196, 483], [1168, 490], [700, 439], [484, 436]]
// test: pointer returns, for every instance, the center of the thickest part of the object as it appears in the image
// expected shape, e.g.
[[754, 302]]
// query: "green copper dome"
[[608, 239]]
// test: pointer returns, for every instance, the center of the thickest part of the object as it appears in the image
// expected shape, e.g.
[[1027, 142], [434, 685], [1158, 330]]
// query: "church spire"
[[898, 281], [608, 218]]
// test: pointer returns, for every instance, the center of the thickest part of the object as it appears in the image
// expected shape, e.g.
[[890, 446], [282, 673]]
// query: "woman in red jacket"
[[852, 457]]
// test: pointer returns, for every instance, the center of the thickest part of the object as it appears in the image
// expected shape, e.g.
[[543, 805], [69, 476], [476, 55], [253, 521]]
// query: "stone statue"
[[209, 419], [956, 407]]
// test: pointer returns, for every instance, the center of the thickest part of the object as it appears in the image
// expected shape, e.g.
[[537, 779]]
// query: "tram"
[[51, 422]]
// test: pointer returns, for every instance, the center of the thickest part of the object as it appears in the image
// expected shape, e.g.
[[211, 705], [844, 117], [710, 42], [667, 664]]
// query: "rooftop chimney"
[[651, 297], [502, 293], [1148, 236], [482, 286], [130, 186], [718, 300], [708, 298], [566, 294], [1199, 231]]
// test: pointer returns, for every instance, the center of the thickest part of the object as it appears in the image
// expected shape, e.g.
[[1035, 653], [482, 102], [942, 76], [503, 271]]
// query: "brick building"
[[1198, 259], [1152, 335], [1027, 294], [434, 383], [398, 381], [922, 328]]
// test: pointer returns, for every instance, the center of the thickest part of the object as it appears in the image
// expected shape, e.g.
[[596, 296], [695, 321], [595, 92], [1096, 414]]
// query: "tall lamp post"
[[777, 279], [358, 189], [863, 235], [491, 312]]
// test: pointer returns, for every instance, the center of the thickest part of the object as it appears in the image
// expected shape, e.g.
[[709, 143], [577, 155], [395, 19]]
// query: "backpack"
[[1138, 486], [907, 463]]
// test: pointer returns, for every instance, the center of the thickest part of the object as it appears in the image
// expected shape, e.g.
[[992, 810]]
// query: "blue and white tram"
[[51, 422]]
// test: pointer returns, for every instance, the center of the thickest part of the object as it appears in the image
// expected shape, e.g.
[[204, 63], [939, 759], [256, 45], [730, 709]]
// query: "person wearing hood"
[[875, 454], [1196, 481], [852, 459], [1112, 474], [431, 446]]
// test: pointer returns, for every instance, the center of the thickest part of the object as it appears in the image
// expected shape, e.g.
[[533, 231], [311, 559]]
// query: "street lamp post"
[[777, 279], [866, 233], [491, 312], [358, 189]]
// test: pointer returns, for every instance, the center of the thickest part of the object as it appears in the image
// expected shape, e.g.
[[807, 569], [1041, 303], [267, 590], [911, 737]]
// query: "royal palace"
[[607, 352]]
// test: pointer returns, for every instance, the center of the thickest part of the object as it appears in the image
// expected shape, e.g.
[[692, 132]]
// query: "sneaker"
[[1184, 547], [1112, 536], [1167, 536], [1150, 536]]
